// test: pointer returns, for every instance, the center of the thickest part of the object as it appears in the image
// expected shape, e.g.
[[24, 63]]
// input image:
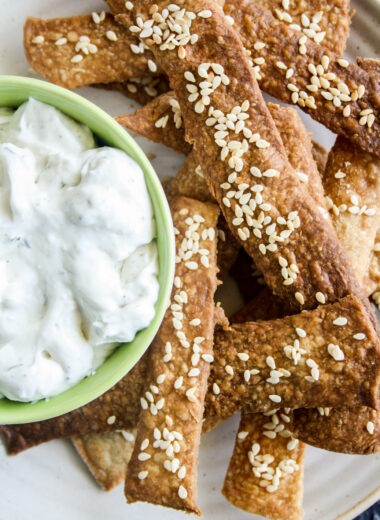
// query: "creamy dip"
[[78, 259]]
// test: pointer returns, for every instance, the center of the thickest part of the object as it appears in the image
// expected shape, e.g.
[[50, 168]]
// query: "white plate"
[[50, 482]]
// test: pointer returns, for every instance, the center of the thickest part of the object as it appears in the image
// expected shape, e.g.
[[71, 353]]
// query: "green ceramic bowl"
[[14, 91]]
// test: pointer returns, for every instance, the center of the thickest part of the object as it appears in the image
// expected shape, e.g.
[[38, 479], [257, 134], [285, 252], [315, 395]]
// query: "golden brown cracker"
[[352, 185], [265, 473], [330, 356], [160, 121], [106, 455], [162, 469], [344, 430], [77, 51]]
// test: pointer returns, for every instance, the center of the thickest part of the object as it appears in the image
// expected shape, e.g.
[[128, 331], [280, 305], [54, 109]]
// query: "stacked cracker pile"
[[255, 197]]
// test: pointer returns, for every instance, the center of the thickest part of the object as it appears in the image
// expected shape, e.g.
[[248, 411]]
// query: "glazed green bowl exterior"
[[15, 90]]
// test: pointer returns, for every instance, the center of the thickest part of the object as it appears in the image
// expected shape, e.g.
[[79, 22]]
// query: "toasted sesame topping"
[[320, 297], [370, 427], [77, 58], [359, 336], [242, 435], [142, 475], [111, 35], [111, 419], [216, 389], [335, 351], [143, 456], [38, 39], [182, 493], [341, 321], [275, 398]]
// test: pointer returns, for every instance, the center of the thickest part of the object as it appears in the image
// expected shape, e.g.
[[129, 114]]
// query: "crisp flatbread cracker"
[[345, 430], [106, 455], [160, 121], [77, 51], [163, 465], [265, 474], [325, 357], [352, 186]]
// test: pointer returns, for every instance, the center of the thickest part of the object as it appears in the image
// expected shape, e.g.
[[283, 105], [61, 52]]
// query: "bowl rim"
[[122, 360]]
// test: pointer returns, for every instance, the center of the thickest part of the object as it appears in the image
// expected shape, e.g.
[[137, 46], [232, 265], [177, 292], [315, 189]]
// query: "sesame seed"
[[320, 297], [143, 456], [243, 356], [111, 419], [112, 36], [301, 333], [182, 493], [178, 382], [341, 321], [61, 41], [370, 427], [129, 6], [38, 39], [205, 14], [142, 475], [208, 358], [242, 435], [216, 389], [77, 58], [152, 66], [144, 444], [335, 351], [360, 336], [275, 398], [190, 394]]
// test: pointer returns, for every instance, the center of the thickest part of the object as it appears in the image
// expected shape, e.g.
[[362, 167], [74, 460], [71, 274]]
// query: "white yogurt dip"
[[78, 259]]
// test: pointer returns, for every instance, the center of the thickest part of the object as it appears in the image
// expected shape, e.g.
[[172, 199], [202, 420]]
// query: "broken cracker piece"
[[344, 430], [352, 186], [118, 408], [325, 357], [77, 51], [265, 474], [162, 469], [106, 455], [160, 121]]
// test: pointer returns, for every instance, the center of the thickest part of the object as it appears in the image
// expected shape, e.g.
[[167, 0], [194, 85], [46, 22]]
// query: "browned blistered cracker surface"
[[77, 51], [278, 219], [265, 474], [142, 90], [352, 187], [106, 455], [286, 69], [116, 409], [163, 466], [325, 357], [343, 430], [326, 22]]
